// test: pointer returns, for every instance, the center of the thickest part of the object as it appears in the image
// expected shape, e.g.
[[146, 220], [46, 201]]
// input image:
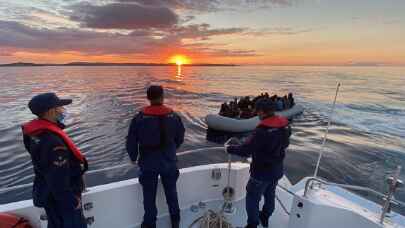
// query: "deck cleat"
[[228, 208]]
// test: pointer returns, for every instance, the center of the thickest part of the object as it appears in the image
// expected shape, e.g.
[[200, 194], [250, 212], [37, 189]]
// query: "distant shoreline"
[[22, 64]]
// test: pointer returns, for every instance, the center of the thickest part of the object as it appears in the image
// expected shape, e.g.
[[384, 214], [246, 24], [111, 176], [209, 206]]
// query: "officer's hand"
[[84, 166], [231, 142], [79, 202]]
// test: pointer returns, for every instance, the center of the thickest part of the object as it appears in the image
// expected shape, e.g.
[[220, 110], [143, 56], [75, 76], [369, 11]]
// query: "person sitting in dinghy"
[[226, 110], [291, 100], [245, 108], [286, 103], [58, 164], [266, 145]]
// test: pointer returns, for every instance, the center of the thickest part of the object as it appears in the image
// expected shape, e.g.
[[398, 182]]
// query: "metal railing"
[[350, 187], [16, 187], [386, 197], [286, 190]]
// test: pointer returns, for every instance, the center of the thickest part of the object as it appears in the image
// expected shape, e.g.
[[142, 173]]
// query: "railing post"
[[394, 183], [308, 184]]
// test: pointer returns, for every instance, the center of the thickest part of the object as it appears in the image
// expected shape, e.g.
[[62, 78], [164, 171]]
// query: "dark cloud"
[[259, 3], [279, 31], [202, 31], [186, 19], [211, 5], [18, 37], [228, 53], [199, 5], [123, 16]]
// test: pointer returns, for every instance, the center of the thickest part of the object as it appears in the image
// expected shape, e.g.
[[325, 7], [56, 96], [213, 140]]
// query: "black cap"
[[41, 103], [154, 92], [265, 105]]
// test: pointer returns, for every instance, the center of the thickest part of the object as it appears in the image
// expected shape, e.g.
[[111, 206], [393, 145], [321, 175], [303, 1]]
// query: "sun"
[[179, 60]]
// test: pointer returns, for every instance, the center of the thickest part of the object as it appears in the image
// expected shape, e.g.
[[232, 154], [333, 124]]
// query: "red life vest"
[[274, 122], [37, 126], [10, 220], [157, 110]]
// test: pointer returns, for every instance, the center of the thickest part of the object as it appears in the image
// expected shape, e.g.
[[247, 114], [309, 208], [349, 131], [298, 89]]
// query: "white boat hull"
[[120, 205], [222, 123]]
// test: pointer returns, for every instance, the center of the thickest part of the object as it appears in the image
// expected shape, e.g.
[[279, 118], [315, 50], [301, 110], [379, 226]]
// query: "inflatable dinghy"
[[222, 123]]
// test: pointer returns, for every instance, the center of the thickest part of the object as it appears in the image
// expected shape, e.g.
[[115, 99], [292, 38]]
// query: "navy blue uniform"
[[153, 138], [58, 182], [267, 146]]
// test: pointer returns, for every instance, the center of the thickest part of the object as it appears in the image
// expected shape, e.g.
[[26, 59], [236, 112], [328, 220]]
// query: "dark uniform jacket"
[[58, 172], [154, 135], [267, 146]]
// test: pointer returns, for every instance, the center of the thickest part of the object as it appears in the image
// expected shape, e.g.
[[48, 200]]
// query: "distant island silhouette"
[[24, 64]]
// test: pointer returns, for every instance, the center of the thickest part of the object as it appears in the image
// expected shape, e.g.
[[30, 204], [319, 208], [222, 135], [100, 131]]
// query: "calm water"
[[365, 144]]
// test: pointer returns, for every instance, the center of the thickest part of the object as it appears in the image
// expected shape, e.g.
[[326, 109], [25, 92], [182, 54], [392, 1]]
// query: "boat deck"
[[120, 204], [238, 218]]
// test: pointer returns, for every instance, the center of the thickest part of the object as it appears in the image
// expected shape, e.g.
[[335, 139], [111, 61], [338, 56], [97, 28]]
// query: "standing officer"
[[58, 163], [155, 133], [267, 146]]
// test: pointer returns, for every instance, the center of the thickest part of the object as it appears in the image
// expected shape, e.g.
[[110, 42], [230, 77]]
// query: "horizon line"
[[79, 63]]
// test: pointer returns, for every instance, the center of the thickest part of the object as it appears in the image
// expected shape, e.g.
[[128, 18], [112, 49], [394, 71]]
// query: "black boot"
[[175, 224], [250, 226], [264, 219], [148, 226], [175, 220]]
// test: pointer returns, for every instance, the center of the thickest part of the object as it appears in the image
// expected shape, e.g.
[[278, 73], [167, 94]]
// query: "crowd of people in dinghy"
[[244, 108]]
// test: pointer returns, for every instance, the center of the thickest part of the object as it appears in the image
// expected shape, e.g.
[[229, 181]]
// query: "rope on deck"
[[211, 219]]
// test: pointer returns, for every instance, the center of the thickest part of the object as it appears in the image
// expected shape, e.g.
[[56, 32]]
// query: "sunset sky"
[[278, 32]]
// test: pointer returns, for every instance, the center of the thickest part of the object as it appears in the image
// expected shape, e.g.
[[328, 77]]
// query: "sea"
[[365, 143]]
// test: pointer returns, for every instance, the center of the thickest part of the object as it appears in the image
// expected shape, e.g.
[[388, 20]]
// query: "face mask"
[[260, 115], [61, 117]]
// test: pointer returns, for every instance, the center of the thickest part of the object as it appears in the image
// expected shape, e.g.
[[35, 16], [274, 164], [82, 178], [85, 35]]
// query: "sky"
[[274, 32]]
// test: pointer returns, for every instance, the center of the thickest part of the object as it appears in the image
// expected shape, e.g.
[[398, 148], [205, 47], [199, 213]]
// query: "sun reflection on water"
[[179, 76]]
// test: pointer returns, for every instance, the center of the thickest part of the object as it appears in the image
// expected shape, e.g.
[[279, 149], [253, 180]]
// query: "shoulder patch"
[[36, 140], [61, 161], [60, 148], [272, 130]]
